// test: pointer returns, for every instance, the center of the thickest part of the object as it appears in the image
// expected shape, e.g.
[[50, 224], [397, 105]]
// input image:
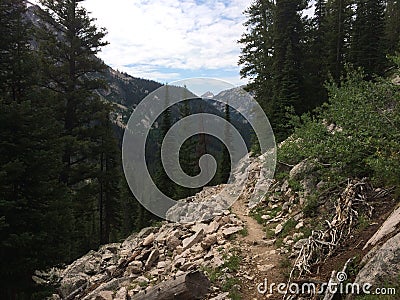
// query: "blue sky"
[[169, 40]]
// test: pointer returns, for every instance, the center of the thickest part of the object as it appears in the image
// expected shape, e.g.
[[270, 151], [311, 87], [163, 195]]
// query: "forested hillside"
[[62, 189], [288, 56]]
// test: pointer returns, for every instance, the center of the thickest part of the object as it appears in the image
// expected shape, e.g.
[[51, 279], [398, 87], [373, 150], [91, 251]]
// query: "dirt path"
[[261, 260]]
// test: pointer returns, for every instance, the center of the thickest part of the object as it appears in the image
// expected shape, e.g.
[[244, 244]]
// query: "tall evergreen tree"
[[225, 168], [288, 55], [315, 54], [69, 41], [337, 35], [34, 207], [164, 183], [392, 27], [257, 52], [188, 159], [367, 44]]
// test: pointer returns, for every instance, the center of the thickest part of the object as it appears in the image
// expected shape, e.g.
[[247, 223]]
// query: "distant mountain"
[[126, 92]]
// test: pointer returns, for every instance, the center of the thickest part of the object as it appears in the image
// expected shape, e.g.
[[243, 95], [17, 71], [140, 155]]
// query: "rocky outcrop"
[[154, 255], [384, 266]]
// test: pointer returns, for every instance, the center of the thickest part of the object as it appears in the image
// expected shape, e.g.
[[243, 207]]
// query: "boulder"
[[384, 265], [192, 240], [387, 228], [172, 242], [72, 282], [152, 259], [208, 241], [105, 295], [149, 240], [135, 267], [303, 168], [231, 230]]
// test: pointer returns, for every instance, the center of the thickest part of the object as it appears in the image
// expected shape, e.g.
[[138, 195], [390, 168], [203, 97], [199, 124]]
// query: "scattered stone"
[[72, 282], [135, 267], [194, 239], [265, 268], [285, 207], [278, 229], [208, 241], [173, 242], [250, 278], [105, 295], [121, 294], [152, 259], [299, 225], [231, 230], [149, 240]]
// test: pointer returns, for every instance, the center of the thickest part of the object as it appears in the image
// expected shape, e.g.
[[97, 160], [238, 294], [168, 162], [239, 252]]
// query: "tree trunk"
[[188, 286]]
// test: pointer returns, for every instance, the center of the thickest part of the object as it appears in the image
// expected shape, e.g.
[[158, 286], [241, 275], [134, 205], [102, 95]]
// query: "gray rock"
[[208, 241], [223, 296], [384, 266], [300, 243], [172, 242], [303, 168], [194, 239], [149, 239], [72, 282], [105, 295], [265, 268], [231, 230], [387, 228], [135, 267], [212, 227], [152, 259], [278, 229]]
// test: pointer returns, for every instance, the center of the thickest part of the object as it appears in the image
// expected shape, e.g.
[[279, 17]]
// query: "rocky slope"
[[242, 249]]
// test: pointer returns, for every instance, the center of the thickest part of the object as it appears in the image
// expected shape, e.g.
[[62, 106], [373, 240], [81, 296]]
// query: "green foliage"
[[364, 137], [310, 208], [232, 261], [367, 45], [288, 227]]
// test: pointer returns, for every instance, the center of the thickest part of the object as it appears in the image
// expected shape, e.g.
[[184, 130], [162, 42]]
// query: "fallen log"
[[188, 286]]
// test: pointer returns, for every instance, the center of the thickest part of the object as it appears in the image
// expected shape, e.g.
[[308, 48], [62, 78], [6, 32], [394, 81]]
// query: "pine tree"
[[315, 57], [69, 42], [164, 183], [288, 55], [257, 52], [225, 169], [392, 27], [367, 44], [35, 214], [188, 159], [337, 35]]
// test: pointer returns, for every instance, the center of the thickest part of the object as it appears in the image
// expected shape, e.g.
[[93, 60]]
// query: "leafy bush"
[[357, 133]]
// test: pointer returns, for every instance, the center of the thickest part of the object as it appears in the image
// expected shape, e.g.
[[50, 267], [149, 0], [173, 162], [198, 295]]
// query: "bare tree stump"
[[188, 286]]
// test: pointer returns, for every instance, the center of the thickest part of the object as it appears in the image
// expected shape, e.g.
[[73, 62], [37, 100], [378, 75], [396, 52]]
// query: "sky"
[[169, 40]]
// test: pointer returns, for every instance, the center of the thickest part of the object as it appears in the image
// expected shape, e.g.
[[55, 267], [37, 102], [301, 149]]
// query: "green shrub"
[[365, 141]]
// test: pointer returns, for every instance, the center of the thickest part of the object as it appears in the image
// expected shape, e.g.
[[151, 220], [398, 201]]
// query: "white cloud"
[[148, 36]]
